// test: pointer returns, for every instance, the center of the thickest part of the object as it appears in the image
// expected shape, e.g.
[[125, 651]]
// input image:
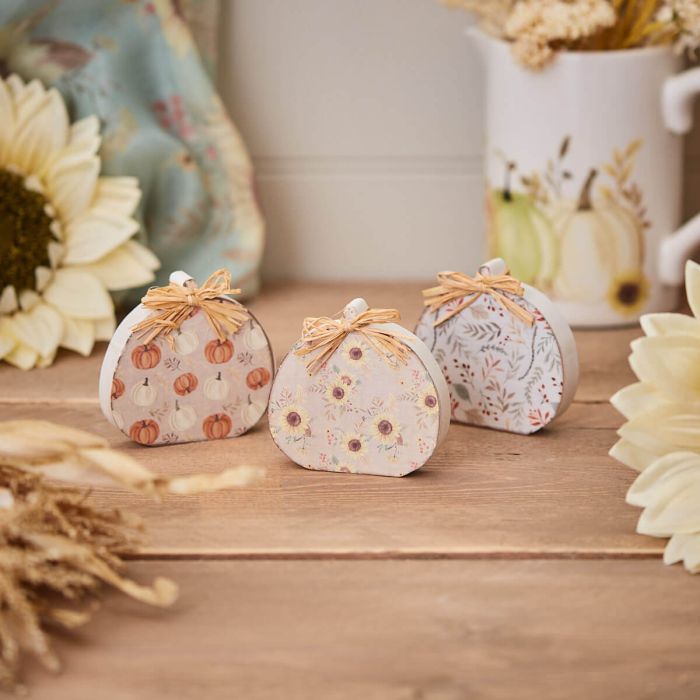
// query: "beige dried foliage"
[[56, 549], [539, 29]]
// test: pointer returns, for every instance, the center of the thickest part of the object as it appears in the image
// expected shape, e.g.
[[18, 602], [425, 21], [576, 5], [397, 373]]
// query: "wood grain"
[[282, 308], [406, 630], [483, 491]]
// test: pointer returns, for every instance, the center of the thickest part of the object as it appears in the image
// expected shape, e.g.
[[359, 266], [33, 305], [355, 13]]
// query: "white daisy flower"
[[65, 232]]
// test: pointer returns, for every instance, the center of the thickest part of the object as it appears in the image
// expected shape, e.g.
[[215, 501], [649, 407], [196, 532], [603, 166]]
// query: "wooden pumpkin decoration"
[[186, 384], [507, 354], [359, 394]]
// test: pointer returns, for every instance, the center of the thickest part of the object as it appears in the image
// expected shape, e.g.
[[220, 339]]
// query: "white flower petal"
[[671, 364], [645, 491], [667, 428], [78, 335], [631, 455], [71, 186], [28, 299], [7, 337], [670, 324], [40, 329], [105, 327], [8, 300], [41, 130], [692, 286], [636, 398], [43, 276], [123, 268], [685, 548], [85, 133], [22, 357], [79, 294], [118, 194], [95, 233], [7, 119]]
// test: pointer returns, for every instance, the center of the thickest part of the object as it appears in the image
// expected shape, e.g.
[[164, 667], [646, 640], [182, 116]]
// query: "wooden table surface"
[[508, 567]]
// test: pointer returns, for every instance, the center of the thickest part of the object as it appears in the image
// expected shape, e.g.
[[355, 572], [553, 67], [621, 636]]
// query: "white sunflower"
[[661, 437], [65, 232]]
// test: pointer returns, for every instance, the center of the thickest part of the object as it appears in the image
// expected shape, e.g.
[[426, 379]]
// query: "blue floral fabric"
[[134, 64]]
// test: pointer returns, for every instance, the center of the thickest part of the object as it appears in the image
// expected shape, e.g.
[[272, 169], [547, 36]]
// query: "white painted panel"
[[364, 121]]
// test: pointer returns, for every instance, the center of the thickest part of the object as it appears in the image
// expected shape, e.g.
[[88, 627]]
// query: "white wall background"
[[364, 121]]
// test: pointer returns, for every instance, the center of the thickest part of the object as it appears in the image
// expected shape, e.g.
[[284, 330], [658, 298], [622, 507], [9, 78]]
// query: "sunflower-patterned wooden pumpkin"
[[358, 394], [187, 364], [507, 354]]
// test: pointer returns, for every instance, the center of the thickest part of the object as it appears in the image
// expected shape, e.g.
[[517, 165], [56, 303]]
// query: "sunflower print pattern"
[[501, 372], [358, 413], [202, 388]]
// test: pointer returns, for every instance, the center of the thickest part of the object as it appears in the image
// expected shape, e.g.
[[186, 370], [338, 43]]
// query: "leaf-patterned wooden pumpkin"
[[354, 404], [193, 386], [508, 355]]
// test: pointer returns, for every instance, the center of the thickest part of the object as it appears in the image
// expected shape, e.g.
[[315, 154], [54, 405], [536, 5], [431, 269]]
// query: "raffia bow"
[[455, 285], [324, 335], [173, 304]]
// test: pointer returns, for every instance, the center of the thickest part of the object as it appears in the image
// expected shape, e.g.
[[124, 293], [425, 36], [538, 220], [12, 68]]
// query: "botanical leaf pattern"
[[358, 413], [501, 372]]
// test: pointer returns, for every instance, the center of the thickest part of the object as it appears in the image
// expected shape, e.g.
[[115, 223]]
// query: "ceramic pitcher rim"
[[577, 55]]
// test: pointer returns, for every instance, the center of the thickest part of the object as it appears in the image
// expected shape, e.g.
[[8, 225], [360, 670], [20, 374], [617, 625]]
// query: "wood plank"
[[483, 491], [393, 631], [281, 309]]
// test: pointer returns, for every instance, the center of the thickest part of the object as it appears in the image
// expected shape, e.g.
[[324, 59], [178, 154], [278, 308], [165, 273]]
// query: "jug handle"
[[677, 98]]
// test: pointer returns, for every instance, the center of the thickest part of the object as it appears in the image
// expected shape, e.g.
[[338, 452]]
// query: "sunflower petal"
[[105, 327], [7, 119], [7, 337], [71, 185], [670, 324], [636, 398], [644, 490], [123, 268], [631, 455], [692, 286], [78, 335], [671, 364], [22, 356], [685, 548], [117, 194], [96, 233], [40, 329], [79, 294]]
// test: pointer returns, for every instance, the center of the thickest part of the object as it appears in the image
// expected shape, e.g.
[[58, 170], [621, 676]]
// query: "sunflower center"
[[628, 293], [294, 419], [385, 427], [25, 233]]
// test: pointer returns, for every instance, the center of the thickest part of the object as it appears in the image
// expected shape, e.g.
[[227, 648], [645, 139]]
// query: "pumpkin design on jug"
[[175, 374]]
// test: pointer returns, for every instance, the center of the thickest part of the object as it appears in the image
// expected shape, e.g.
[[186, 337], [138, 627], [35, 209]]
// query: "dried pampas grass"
[[57, 550]]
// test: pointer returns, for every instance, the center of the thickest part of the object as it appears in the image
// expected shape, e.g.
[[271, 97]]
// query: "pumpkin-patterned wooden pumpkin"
[[359, 394], [191, 384], [507, 354]]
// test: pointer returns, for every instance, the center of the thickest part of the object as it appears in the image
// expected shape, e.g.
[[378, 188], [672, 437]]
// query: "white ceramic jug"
[[584, 175]]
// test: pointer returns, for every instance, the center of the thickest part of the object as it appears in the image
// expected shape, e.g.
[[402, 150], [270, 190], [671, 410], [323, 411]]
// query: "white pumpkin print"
[[252, 410], [185, 342], [216, 388], [183, 417], [162, 391], [144, 394], [605, 240], [255, 338], [360, 412]]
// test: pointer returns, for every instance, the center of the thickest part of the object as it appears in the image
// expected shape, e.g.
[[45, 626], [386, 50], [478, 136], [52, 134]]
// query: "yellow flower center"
[[25, 233]]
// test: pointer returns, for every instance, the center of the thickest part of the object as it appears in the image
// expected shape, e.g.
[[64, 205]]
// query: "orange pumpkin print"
[[145, 356], [217, 426], [117, 388], [258, 378], [185, 384], [218, 352], [145, 432]]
